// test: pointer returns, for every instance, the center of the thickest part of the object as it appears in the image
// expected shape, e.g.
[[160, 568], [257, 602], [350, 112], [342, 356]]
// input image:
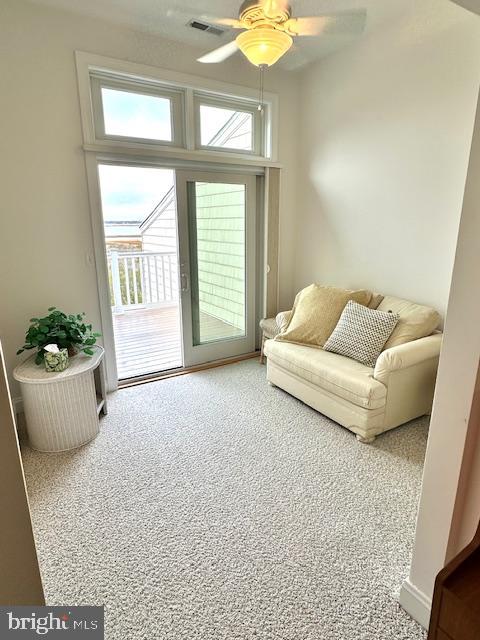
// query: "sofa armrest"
[[407, 355], [282, 319]]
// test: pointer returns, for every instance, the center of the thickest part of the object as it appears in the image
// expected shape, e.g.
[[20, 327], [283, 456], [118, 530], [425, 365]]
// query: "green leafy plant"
[[67, 331]]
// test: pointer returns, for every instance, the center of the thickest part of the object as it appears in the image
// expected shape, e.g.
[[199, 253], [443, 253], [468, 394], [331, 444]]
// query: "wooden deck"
[[149, 340]]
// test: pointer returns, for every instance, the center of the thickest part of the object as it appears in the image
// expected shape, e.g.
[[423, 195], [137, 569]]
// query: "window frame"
[[234, 104], [175, 96], [138, 74]]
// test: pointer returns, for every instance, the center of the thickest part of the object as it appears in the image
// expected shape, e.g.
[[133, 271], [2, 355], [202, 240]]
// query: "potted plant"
[[66, 331]]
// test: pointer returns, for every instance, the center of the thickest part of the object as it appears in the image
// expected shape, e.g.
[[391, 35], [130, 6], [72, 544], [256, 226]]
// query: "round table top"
[[31, 373]]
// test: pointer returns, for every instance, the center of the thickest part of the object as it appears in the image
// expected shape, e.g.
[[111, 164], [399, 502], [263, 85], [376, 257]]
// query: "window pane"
[[136, 115], [219, 256], [226, 128]]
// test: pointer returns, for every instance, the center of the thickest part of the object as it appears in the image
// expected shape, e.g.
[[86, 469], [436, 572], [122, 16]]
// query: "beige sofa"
[[368, 401]]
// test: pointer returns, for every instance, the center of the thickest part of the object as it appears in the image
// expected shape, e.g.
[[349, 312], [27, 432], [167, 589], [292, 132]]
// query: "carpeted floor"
[[213, 506]]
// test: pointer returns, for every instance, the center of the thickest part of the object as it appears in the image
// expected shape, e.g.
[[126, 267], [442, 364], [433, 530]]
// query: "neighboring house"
[[220, 232], [221, 256], [158, 232], [221, 259]]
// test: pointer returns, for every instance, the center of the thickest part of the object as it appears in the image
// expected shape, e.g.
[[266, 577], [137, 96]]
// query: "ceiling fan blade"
[[220, 54], [345, 23]]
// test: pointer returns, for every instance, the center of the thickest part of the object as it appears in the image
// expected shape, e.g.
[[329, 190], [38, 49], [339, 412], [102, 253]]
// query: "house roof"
[[164, 203]]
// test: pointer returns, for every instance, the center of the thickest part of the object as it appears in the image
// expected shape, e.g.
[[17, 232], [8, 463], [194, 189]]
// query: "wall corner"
[[416, 603]]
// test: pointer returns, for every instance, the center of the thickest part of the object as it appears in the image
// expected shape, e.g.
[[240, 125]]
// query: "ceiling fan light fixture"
[[264, 46]]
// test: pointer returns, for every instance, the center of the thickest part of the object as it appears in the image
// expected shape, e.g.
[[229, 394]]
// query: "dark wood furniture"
[[456, 599]]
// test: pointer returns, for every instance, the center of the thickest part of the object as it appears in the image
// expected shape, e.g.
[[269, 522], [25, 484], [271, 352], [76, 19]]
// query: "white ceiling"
[[168, 18]]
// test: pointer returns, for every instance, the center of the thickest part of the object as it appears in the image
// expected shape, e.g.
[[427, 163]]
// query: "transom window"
[[152, 113], [228, 125], [225, 128], [136, 115], [137, 111]]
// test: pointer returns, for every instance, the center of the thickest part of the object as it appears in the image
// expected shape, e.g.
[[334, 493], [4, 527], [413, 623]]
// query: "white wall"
[[45, 227], [386, 133]]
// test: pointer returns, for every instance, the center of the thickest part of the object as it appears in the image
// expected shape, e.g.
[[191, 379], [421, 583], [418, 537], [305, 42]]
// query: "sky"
[[131, 193], [136, 115]]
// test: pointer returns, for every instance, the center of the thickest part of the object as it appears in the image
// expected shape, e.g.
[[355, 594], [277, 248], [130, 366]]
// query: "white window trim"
[[88, 63]]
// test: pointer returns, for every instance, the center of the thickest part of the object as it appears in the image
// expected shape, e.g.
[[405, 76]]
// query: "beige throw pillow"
[[316, 312], [416, 321]]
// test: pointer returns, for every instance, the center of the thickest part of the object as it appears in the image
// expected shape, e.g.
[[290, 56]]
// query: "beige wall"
[[20, 582], [449, 508], [386, 133], [44, 213]]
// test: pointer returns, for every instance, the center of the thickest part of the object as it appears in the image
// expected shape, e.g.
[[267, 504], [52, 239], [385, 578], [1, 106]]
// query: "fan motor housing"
[[252, 11]]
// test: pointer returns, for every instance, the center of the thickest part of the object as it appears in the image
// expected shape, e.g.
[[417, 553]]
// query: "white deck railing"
[[142, 279]]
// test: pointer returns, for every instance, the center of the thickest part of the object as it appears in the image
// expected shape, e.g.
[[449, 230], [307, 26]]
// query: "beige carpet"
[[213, 506]]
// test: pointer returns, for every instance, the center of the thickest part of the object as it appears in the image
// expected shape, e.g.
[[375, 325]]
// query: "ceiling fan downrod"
[[262, 68]]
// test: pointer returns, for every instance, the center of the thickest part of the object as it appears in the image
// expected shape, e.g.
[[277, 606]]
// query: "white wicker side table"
[[62, 409]]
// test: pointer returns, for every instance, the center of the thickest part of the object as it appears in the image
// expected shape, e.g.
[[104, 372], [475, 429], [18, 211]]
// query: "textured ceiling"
[[169, 18]]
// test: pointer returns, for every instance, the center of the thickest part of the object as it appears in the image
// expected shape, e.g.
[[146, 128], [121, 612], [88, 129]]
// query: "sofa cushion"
[[375, 301], [361, 333], [282, 319], [416, 321], [341, 376], [316, 313]]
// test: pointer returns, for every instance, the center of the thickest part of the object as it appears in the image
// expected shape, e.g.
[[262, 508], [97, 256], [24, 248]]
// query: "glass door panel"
[[217, 264], [140, 230], [217, 258]]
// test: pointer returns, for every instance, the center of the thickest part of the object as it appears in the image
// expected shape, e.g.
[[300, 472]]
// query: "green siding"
[[220, 225]]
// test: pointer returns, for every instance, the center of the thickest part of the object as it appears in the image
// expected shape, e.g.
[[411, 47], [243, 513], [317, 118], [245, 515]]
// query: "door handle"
[[184, 282]]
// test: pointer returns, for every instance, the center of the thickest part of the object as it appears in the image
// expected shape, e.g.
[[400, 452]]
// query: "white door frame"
[[103, 289], [229, 347]]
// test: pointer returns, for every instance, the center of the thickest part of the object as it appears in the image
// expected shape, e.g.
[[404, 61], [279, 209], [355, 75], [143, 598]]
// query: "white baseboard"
[[415, 603]]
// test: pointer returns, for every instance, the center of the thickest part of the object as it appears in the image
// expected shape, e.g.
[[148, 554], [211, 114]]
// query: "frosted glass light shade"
[[264, 46]]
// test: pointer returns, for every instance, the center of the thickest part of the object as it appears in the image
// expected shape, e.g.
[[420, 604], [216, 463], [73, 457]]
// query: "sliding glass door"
[[216, 223]]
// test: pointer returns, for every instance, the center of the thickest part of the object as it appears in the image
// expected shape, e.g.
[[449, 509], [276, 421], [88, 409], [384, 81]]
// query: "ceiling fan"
[[269, 29]]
